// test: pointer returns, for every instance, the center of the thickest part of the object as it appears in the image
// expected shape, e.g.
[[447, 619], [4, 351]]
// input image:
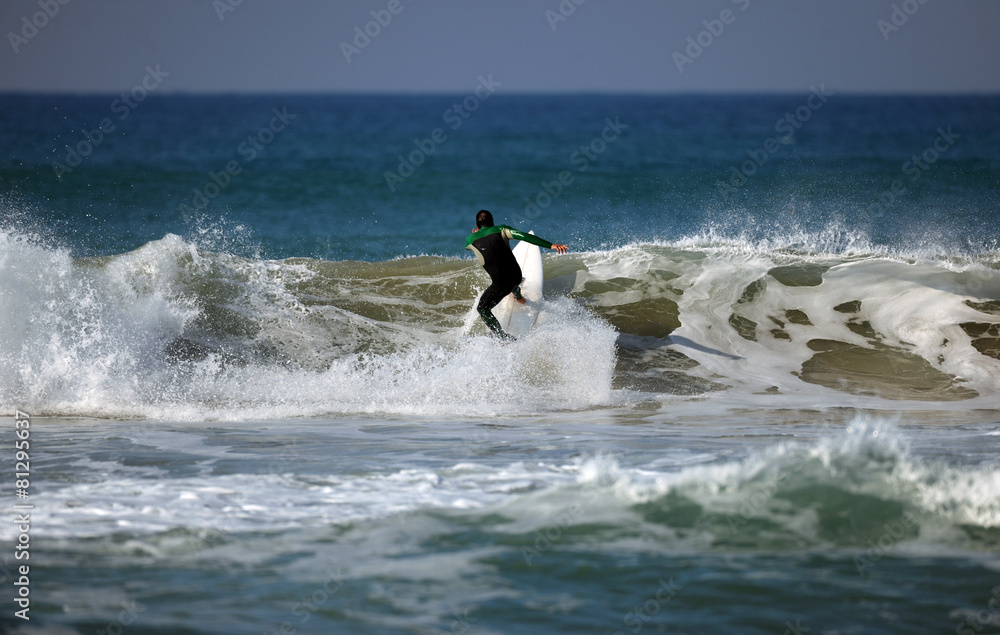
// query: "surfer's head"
[[484, 219]]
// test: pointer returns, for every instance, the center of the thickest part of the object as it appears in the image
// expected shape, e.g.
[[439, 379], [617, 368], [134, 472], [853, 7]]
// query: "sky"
[[445, 46]]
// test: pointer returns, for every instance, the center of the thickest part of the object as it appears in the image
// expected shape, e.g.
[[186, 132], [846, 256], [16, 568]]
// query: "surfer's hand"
[[560, 248]]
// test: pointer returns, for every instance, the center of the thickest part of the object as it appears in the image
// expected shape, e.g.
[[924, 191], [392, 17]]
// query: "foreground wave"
[[851, 512], [172, 330]]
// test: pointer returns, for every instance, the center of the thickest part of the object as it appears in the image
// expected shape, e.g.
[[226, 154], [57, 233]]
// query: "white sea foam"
[[914, 308], [797, 489], [172, 331], [94, 338]]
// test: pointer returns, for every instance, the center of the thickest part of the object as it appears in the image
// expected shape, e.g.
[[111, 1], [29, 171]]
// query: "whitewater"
[[173, 331]]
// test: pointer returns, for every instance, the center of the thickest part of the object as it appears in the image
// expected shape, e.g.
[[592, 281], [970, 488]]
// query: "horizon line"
[[521, 93]]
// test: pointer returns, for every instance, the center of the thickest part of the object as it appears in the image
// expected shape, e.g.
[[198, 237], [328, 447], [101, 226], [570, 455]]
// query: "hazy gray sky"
[[445, 45]]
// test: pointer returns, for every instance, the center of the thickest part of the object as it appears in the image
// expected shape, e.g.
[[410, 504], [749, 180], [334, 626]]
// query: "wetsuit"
[[492, 247]]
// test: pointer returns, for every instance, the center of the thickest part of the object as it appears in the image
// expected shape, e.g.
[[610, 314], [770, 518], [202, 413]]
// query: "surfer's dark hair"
[[484, 219]]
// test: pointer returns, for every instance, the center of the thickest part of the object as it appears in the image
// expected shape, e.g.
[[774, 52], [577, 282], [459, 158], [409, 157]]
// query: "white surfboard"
[[516, 318]]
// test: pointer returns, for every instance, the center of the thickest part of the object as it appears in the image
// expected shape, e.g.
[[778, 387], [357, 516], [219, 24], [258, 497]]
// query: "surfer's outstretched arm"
[[517, 234]]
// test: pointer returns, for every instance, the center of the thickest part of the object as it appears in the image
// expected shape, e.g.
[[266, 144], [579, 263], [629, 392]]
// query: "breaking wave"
[[173, 330]]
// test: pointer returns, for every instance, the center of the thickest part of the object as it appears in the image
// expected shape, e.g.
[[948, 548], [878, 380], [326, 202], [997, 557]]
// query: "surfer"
[[491, 244]]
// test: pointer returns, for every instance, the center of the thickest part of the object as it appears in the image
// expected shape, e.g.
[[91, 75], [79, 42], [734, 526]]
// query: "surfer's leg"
[[491, 321], [490, 298]]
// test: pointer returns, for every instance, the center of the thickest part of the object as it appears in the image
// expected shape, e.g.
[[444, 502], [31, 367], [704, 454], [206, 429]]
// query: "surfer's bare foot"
[[521, 300]]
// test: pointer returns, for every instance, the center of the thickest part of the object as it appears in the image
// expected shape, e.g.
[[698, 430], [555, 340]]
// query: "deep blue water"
[[318, 187]]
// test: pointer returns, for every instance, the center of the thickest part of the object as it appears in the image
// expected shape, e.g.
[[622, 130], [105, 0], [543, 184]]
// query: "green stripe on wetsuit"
[[511, 233]]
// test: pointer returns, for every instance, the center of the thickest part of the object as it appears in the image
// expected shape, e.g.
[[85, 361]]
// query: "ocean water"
[[762, 396]]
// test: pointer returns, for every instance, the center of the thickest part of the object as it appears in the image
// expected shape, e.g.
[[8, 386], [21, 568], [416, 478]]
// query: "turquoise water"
[[761, 396]]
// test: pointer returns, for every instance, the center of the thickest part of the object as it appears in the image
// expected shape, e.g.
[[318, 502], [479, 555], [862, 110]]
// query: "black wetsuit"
[[492, 247]]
